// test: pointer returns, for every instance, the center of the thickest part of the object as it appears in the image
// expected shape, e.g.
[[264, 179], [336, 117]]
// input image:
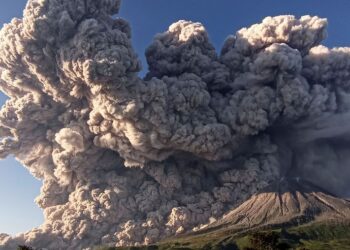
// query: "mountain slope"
[[311, 218], [289, 202]]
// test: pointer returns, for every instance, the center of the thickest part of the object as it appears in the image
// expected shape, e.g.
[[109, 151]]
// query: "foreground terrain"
[[315, 236]]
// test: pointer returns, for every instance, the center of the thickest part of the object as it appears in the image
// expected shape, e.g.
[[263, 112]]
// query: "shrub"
[[23, 247], [267, 241]]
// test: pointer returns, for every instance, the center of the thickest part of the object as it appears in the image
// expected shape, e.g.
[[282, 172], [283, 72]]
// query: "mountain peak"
[[287, 202]]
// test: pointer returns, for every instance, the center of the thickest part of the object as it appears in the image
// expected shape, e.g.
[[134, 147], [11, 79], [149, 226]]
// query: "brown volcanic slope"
[[289, 203], [286, 204]]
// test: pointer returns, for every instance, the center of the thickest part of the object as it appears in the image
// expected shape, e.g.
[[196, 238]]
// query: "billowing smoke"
[[129, 161]]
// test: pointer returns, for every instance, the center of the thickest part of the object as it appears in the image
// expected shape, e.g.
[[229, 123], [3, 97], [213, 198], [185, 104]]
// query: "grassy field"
[[325, 236]]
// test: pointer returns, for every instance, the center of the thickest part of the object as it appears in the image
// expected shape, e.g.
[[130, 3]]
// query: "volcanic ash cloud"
[[129, 161]]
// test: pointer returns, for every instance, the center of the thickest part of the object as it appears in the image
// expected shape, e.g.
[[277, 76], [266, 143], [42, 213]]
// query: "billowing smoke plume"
[[128, 161]]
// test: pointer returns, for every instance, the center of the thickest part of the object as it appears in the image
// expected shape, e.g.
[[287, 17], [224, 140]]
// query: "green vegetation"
[[316, 236], [326, 236]]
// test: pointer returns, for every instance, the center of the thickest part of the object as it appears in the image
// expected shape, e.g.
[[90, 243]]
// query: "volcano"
[[289, 202], [130, 160], [307, 213]]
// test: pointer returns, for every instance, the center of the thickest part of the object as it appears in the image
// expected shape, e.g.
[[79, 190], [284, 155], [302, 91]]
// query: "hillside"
[[292, 214]]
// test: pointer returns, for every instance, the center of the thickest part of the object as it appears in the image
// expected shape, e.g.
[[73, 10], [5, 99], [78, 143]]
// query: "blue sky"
[[18, 212]]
